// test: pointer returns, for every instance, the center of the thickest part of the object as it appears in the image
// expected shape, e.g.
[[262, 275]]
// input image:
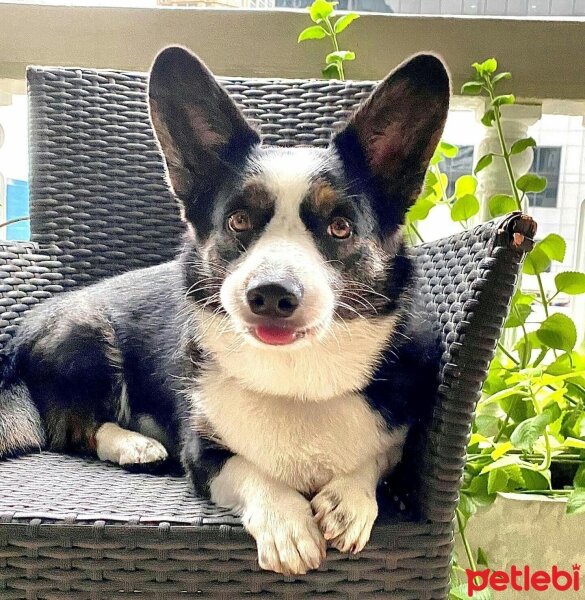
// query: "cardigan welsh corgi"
[[278, 358]]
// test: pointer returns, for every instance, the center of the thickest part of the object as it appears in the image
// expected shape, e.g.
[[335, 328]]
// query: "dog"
[[279, 358]]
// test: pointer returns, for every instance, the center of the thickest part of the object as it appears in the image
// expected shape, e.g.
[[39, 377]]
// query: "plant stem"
[[526, 355], [416, 232], [548, 492], [505, 153], [545, 464], [502, 427], [437, 173], [11, 221], [508, 354], [466, 545], [336, 47], [543, 298]]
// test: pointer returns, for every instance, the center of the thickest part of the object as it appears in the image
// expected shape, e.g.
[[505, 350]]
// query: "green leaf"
[[538, 260], [501, 204], [486, 67], [505, 479], [483, 162], [321, 9], [553, 410], [464, 208], [438, 156], [554, 246], [459, 592], [518, 315], [331, 71], [576, 502], [574, 443], [488, 425], [504, 99], [521, 145], [579, 479], [570, 282], [516, 390], [536, 480], [441, 185], [520, 297], [482, 558], [488, 118], [467, 507], [419, 211], [505, 461], [472, 88], [339, 56], [501, 76], [518, 408], [566, 363], [501, 450], [345, 21], [531, 183], [558, 331], [448, 150], [466, 184], [573, 424], [520, 309], [315, 32], [478, 490], [430, 181], [527, 432]]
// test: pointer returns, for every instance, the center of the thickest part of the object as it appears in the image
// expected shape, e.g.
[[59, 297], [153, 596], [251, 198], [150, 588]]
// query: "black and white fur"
[[278, 358]]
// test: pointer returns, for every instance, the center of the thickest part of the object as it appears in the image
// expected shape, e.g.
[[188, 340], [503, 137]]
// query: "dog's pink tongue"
[[277, 336]]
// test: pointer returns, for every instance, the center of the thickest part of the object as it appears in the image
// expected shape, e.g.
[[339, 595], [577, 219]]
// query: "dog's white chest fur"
[[303, 444]]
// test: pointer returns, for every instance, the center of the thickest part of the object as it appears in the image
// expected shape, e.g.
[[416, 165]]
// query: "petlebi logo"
[[524, 579]]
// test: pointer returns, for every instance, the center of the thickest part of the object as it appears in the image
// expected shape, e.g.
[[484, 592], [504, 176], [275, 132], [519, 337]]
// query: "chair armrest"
[[468, 281], [28, 276]]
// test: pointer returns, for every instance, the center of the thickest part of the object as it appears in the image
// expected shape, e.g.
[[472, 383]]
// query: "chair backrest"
[[100, 203], [97, 185]]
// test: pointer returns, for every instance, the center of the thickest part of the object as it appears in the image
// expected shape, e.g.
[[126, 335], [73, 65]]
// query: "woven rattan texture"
[[27, 277], [467, 283], [73, 528], [167, 562], [97, 186]]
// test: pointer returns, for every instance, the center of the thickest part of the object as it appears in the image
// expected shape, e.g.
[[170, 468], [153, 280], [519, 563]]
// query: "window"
[[547, 163], [504, 8], [379, 6]]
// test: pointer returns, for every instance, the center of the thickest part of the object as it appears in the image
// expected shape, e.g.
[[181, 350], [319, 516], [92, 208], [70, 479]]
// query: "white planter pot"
[[522, 529]]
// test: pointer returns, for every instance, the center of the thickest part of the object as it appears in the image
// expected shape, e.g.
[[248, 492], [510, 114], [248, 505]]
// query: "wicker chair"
[[74, 528]]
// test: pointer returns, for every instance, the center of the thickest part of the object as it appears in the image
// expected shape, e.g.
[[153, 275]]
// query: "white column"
[[516, 118], [578, 304], [5, 100]]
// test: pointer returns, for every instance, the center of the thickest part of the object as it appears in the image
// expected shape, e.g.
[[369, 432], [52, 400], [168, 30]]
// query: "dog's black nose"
[[274, 298]]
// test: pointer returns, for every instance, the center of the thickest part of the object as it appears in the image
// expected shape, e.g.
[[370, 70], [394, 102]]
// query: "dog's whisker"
[[354, 297]]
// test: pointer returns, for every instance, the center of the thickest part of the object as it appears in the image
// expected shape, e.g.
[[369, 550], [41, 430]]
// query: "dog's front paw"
[[345, 514], [289, 541], [126, 448], [139, 449]]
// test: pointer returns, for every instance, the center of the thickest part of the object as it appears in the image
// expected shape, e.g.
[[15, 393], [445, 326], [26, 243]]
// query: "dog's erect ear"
[[396, 130], [198, 126]]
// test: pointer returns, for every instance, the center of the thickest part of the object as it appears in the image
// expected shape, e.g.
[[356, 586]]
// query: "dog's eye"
[[340, 228], [239, 222]]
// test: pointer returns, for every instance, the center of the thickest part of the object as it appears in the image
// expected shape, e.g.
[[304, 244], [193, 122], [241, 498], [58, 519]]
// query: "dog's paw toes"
[[345, 517], [287, 544], [139, 450]]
